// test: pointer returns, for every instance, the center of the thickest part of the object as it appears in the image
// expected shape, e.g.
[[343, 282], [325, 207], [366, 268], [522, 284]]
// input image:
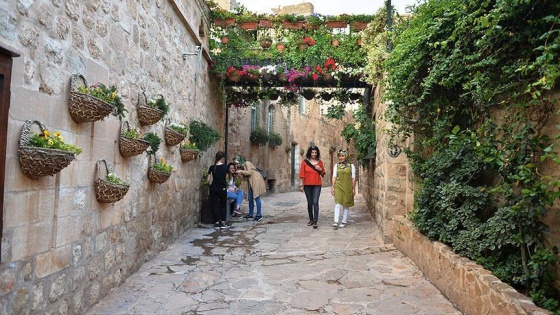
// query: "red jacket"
[[310, 175]]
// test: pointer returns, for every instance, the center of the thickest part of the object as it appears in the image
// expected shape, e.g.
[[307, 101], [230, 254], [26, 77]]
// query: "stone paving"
[[280, 266]]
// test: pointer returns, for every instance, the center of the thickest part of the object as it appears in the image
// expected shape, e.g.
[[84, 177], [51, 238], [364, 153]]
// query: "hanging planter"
[[335, 42], [292, 25], [36, 161], [84, 107], [308, 94], [326, 96], [280, 47], [148, 115], [336, 24], [355, 96], [224, 40], [358, 26], [248, 25], [266, 43], [174, 133], [225, 22], [159, 172], [359, 42], [265, 23], [189, 151], [129, 142], [111, 188]]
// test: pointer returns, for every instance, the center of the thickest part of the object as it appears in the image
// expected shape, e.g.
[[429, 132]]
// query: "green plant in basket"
[[259, 136], [162, 166], [160, 104], [203, 135], [154, 141], [54, 141], [180, 128], [188, 145], [274, 139], [132, 133], [114, 179], [106, 94]]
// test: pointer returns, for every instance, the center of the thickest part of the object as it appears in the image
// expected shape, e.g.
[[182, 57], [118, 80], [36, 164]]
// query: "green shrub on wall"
[[203, 135]]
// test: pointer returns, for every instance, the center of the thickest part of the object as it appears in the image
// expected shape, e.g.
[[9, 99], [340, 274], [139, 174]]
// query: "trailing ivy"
[[474, 80]]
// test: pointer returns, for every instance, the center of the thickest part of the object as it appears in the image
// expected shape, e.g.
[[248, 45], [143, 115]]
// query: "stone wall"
[[62, 251], [471, 288]]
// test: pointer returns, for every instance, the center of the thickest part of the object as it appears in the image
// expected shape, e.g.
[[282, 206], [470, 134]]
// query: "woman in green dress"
[[343, 187]]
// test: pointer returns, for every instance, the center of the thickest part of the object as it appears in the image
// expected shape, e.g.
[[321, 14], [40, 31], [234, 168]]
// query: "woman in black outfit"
[[218, 194]]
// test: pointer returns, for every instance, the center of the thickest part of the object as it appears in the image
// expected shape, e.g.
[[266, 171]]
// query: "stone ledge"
[[471, 288]]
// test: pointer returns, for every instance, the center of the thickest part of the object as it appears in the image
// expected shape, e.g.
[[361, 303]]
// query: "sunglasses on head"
[[342, 152]]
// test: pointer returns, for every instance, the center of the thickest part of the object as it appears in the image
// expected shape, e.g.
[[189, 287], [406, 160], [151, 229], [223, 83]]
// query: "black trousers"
[[218, 199]]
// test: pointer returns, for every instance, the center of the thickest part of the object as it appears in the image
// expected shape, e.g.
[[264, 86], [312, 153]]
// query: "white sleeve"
[[334, 172], [353, 171]]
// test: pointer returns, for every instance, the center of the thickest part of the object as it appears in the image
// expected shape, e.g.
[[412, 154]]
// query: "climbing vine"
[[474, 80]]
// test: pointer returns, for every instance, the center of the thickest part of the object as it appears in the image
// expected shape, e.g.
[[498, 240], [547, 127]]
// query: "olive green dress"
[[343, 185]]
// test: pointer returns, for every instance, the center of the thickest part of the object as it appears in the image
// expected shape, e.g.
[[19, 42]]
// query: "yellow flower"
[[46, 133], [50, 142], [57, 134], [113, 95]]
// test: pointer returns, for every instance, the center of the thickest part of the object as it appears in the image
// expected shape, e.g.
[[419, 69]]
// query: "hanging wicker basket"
[[188, 155], [130, 146], [147, 115], [157, 176], [173, 137], [36, 162], [84, 107], [105, 191]]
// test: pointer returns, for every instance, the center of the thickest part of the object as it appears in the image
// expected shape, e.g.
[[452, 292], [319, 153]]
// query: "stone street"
[[280, 266]]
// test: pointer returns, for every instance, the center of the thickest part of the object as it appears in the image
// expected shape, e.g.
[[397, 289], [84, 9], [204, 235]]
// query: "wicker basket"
[[147, 115], [105, 191], [36, 162], [128, 146], [172, 137], [188, 155], [156, 176], [83, 107]]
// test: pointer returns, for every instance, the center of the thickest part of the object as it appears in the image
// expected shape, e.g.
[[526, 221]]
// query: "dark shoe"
[[258, 218], [224, 226], [314, 225], [310, 223], [217, 225], [248, 217]]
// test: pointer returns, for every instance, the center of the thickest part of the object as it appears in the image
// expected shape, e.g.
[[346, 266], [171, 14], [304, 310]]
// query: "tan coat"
[[254, 178]]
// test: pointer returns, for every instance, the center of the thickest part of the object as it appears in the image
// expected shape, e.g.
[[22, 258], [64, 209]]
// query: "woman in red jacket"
[[311, 172]]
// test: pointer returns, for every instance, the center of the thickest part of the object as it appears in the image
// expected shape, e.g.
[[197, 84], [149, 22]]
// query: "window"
[[270, 125], [302, 105], [253, 117]]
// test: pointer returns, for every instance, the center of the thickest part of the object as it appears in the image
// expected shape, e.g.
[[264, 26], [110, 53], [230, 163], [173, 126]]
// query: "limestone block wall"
[[471, 288], [62, 251]]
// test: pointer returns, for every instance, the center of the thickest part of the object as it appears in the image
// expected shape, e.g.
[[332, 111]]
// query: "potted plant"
[[265, 42], [160, 171], [292, 21], [151, 111], [314, 21], [274, 139], [189, 151], [130, 143], [259, 136], [359, 22], [219, 16], [203, 135], [44, 153], [174, 133], [245, 18], [337, 21], [111, 188], [92, 103], [153, 140]]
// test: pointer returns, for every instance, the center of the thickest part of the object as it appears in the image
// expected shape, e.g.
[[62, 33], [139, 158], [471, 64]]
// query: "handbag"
[[313, 167]]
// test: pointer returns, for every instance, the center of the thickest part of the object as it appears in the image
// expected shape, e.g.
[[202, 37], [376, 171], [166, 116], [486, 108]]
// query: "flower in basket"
[[160, 104], [308, 40], [114, 179], [162, 166], [180, 128], [106, 94], [234, 74], [132, 133], [54, 141], [251, 72], [189, 146], [270, 69]]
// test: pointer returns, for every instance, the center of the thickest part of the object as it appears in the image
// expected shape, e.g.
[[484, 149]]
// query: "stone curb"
[[470, 287]]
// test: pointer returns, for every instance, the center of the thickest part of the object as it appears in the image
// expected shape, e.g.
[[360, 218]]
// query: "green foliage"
[[114, 179], [54, 141], [259, 136], [274, 139], [160, 104], [162, 165], [132, 133], [362, 134], [180, 128], [203, 135], [189, 146], [154, 141], [454, 65]]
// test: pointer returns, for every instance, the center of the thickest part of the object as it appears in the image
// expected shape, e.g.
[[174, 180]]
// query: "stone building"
[[61, 249]]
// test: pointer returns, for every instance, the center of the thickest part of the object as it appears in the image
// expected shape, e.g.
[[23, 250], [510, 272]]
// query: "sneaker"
[[216, 225], [248, 217], [314, 225], [310, 223], [258, 218], [335, 224], [342, 225], [224, 226]]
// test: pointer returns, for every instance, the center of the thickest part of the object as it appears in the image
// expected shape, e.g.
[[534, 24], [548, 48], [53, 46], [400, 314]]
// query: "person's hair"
[[219, 155], [311, 148], [229, 175]]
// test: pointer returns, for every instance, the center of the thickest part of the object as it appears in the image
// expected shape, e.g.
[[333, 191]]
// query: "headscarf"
[[239, 159]]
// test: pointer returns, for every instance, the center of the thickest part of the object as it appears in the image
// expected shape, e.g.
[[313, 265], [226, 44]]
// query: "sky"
[[329, 7]]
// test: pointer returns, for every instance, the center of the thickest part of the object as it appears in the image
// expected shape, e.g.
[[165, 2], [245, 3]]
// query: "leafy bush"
[[154, 141], [259, 136], [274, 139], [160, 104], [203, 135]]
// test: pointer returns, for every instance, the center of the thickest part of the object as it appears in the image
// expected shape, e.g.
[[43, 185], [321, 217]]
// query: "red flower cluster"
[[309, 41], [232, 71], [329, 65]]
